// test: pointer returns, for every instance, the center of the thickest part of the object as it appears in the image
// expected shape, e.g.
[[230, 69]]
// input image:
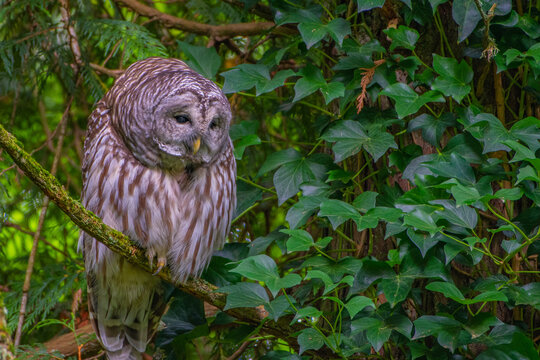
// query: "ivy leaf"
[[258, 268], [403, 36], [349, 138], [338, 29], [313, 30], [396, 288], [454, 78], [313, 80], [203, 60], [365, 201], [277, 307], [247, 196], [241, 145], [302, 210], [348, 135], [407, 100], [432, 128], [357, 304], [244, 295], [338, 212], [449, 290], [245, 76], [464, 216], [310, 339], [364, 5], [275, 160], [377, 332], [299, 240], [290, 176], [467, 16]]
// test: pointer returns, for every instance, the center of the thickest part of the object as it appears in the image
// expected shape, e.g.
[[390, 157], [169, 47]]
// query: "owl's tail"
[[126, 353]]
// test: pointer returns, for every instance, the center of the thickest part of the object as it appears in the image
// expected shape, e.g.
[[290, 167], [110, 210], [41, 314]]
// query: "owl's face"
[[169, 115], [191, 127]]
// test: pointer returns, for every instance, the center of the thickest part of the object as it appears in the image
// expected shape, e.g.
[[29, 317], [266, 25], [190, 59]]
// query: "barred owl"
[[158, 166]]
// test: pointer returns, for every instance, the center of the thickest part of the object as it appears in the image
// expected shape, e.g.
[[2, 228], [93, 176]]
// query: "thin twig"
[[37, 234], [239, 352]]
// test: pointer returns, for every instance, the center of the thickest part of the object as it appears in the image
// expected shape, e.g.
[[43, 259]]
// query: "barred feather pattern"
[[142, 176]]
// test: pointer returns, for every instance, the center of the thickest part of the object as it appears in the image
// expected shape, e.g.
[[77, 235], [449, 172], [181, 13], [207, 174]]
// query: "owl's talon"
[[160, 265]]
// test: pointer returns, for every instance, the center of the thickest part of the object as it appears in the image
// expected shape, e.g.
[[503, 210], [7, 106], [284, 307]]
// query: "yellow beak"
[[196, 145]]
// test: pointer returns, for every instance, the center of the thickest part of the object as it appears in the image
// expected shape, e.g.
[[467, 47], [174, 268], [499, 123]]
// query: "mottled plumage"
[[158, 166]]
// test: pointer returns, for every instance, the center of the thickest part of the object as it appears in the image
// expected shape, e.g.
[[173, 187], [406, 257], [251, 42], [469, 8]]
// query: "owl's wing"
[[125, 303]]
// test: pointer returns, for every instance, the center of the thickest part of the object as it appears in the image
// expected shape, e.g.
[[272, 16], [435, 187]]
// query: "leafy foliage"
[[388, 172]]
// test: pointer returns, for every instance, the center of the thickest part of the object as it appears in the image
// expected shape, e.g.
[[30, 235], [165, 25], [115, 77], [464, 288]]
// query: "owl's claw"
[[160, 265]]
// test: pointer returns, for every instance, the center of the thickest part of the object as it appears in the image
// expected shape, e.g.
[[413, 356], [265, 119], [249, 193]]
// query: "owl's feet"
[[161, 260]]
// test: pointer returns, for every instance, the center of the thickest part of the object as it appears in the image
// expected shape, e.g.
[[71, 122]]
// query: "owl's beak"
[[196, 145]]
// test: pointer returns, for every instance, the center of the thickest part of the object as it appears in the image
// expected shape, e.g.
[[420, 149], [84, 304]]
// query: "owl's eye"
[[182, 119], [214, 124]]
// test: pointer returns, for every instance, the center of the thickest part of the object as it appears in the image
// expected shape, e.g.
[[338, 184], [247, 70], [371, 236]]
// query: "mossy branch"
[[120, 243]]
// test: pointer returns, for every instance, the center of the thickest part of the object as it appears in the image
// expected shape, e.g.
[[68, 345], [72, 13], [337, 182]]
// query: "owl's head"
[[169, 115]]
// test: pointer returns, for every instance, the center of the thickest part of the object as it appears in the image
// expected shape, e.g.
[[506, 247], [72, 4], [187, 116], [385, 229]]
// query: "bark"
[[229, 30]]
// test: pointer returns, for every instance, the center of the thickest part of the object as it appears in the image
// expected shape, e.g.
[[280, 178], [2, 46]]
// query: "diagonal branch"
[[244, 29], [119, 243]]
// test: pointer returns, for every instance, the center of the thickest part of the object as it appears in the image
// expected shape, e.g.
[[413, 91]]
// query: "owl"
[[158, 166]]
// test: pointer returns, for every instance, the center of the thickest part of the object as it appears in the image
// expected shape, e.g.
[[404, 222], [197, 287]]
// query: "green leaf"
[[364, 5], [338, 212], [354, 61], [290, 176], [245, 76], [247, 195], [277, 307], [299, 240], [449, 290], [288, 281], [275, 160], [423, 241], [436, 3], [454, 78], [303, 210], [421, 220], [432, 128], [407, 100], [203, 60], [349, 138], [465, 195], [338, 29], [310, 339], [348, 135], [313, 30], [258, 268], [527, 173], [463, 216], [396, 288], [241, 145], [481, 323], [357, 304], [403, 36], [467, 16], [377, 332], [365, 201], [244, 295]]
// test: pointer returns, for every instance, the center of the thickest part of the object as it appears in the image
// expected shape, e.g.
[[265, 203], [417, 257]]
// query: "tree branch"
[[245, 29], [119, 243]]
